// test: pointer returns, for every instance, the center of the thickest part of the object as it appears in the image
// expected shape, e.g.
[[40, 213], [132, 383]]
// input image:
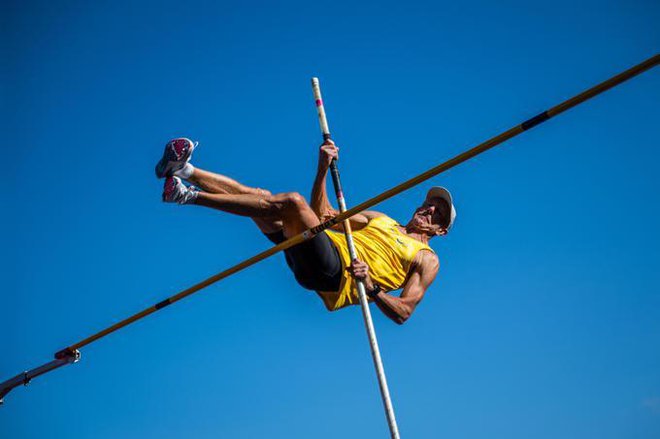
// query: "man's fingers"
[[329, 148], [358, 263], [358, 269], [331, 153]]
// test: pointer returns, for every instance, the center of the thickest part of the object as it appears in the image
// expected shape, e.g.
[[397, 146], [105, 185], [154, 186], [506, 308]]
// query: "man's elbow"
[[403, 316]]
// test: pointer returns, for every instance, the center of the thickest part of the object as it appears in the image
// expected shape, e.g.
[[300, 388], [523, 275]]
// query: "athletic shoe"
[[177, 153], [174, 191]]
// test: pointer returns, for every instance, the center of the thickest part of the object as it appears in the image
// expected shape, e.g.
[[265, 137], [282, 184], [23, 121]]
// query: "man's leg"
[[220, 184], [288, 209]]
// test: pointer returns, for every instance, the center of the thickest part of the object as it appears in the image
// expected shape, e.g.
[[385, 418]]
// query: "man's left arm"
[[422, 273]]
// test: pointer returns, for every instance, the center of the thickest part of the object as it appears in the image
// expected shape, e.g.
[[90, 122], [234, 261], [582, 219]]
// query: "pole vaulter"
[[364, 304], [71, 353]]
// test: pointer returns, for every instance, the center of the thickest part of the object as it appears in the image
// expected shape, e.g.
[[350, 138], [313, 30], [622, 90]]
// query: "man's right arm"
[[320, 203]]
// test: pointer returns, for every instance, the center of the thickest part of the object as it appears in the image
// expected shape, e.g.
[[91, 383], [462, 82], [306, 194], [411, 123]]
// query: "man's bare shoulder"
[[426, 262], [362, 219], [372, 214]]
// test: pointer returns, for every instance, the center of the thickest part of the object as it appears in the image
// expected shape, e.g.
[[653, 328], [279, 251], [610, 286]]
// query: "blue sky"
[[543, 321]]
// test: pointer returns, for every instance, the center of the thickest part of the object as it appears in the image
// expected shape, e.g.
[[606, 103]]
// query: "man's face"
[[432, 215]]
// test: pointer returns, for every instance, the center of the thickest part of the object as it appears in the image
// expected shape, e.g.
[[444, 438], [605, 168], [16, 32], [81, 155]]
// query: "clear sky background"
[[544, 321]]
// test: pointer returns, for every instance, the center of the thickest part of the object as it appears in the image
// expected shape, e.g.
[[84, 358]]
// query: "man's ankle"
[[186, 172]]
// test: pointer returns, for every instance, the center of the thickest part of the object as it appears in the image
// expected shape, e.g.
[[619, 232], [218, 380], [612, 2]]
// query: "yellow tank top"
[[388, 252]]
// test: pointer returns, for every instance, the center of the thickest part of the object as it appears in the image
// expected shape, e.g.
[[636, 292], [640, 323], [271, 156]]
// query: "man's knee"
[[293, 201], [284, 204]]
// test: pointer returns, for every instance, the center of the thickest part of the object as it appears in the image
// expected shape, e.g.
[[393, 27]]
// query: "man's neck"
[[416, 234]]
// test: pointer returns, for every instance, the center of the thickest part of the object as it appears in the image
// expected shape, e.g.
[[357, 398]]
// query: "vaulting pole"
[[364, 304], [72, 351]]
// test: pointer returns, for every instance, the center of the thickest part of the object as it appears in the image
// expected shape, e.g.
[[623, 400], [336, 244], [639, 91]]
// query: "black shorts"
[[315, 263]]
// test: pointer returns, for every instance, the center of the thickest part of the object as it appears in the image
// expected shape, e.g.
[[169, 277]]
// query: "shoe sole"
[[166, 167]]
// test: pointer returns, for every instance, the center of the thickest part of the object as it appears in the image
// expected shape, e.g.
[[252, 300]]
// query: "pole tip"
[[315, 80]]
